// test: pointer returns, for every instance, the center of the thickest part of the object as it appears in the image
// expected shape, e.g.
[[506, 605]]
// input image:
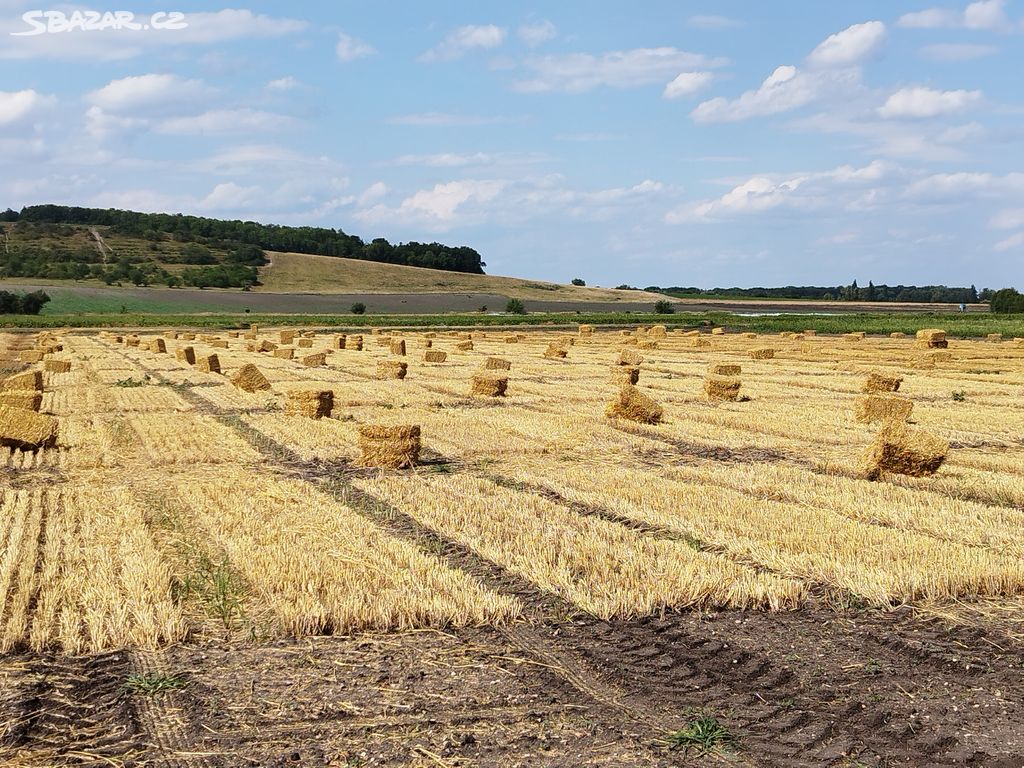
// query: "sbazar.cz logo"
[[58, 22]]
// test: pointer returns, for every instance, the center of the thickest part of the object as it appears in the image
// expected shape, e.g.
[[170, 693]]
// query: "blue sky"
[[669, 143]]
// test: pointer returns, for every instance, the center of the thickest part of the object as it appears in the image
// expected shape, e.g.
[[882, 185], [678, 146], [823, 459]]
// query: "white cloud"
[[983, 15], [466, 159], [712, 22], [157, 92], [101, 125], [920, 102], [537, 33], [580, 72], [435, 207], [225, 122], [687, 84], [375, 191], [461, 41], [1013, 242], [230, 197], [350, 48], [842, 185], [1008, 218], [15, 106], [850, 47], [447, 120], [288, 83], [947, 187], [957, 51], [787, 88]]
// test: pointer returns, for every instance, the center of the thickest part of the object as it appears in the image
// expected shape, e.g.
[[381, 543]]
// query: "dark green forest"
[[939, 294]]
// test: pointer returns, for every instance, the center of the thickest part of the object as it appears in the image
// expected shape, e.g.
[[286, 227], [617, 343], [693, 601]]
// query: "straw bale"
[[586, 330], [648, 345], [284, 353], [311, 403], [185, 355], [250, 378], [700, 343], [208, 363], [286, 337], [398, 347], [810, 332], [853, 337], [722, 387], [488, 384], [266, 346], [871, 408], [233, 334], [57, 366], [718, 331], [132, 341], [27, 399], [464, 346], [897, 335], [691, 334], [386, 369], [994, 337], [171, 335], [30, 355], [26, 430], [724, 369], [634, 405], [624, 374], [900, 450], [879, 382], [434, 356], [304, 343], [497, 364], [748, 335], [658, 332], [338, 341], [315, 361], [764, 353], [932, 338], [21, 381], [511, 339], [629, 357], [389, 447], [555, 352], [354, 343], [425, 343]]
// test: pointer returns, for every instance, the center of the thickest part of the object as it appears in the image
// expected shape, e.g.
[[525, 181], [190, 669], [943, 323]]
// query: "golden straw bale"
[[57, 366], [511, 339], [172, 335], [994, 337], [426, 343], [940, 356], [249, 335], [764, 353], [266, 346], [233, 334], [722, 387], [629, 357], [311, 403], [26, 430], [286, 337], [387, 369], [354, 343], [897, 335], [634, 405], [250, 378], [26, 399], [810, 332], [382, 341], [338, 341], [304, 343], [932, 338], [586, 330], [219, 344], [315, 361], [658, 332], [878, 382], [30, 355], [251, 346], [398, 347], [497, 364], [21, 381], [871, 408], [700, 343], [208, 363], [157, 345], [464, 346], [648, 345], [853, 337], [555, 352], [748, 335], [187, 336], [718, 331], [624, 374], [390, 447], [132, 341], [434, 356], [488, 384], [900, 450], [724, 369], [185, 355], [284, 353]]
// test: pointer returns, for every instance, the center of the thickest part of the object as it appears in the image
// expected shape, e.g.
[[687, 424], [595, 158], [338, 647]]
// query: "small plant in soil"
[[152, 684], [703, 733]]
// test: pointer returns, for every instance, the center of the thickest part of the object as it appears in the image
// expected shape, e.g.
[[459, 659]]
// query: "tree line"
[[22, 303], [934, 294], [230, 235]]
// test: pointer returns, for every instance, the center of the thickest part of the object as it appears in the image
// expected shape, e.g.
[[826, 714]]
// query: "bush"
[[25, 304], [579, 281], [358, 308], [515, 307], [1007, 301], [663, 308]]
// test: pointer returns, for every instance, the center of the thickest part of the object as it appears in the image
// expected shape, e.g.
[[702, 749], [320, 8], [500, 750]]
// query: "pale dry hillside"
[[302, 273]]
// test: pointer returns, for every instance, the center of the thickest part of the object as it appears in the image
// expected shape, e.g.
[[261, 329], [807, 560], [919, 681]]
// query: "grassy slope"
[[301, 273]]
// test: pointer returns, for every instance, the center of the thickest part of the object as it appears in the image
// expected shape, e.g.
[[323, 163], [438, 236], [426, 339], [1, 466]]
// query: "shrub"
[[358, 308], [515, 307], [663, 308], [579, 281], [1007, 301]]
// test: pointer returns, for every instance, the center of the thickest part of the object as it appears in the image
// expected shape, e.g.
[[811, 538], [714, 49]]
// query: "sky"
[[651, 142]]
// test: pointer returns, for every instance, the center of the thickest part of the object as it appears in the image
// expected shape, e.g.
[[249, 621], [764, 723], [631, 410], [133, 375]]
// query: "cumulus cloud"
[[1012, 243], [954, 187], [537, 33], [435, 207], [687, 84], [983, 15], [288, 83], [350, 48], [581, 72], [461, 41], [920, 102], [1008, 218], [467, 159], [156, 92], [852, 46], [15, 106], [224, 122]]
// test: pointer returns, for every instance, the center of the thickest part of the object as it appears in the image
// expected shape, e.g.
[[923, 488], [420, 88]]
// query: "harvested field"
[[344, 569]]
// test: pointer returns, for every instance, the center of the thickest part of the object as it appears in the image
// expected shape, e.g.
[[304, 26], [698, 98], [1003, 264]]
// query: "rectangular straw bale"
[[208, 363], [57, 366], [900, 450], [624, 374], [586, 330], [722, 387], [748, 335], [21, 381], [395, 447], [554, 352], [387, 369], [354, 343], [219, 344], [317, 360], [250, 379], [511, 339], [171, 335], [185, 355], [994, 337], [718, 331], [634, 405], [398, 347], [286, 337], [940, 356], [26, 430], [872, 408], [311, 403], [488, 385], [304, 343], [498, 364], [284, 353], [629, 357], [879, 382], [699, 342], [250, 335], [658, 332], [932, 338], [425, 343], [30, 355], [464, 346], [26, 399], [233, 334], [690, 334], [266, 346], [724, 369], [338, 341], [764, 353], [434, 356], [132, 341], [897, 335]]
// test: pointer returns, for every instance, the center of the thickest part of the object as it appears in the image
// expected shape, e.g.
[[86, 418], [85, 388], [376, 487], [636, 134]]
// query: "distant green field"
[[962, 326]]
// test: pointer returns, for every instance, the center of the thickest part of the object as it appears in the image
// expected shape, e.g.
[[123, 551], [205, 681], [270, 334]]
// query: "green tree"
[[664, 307], [358, 308], [515, 307], [579, 281], [1007, 301]]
